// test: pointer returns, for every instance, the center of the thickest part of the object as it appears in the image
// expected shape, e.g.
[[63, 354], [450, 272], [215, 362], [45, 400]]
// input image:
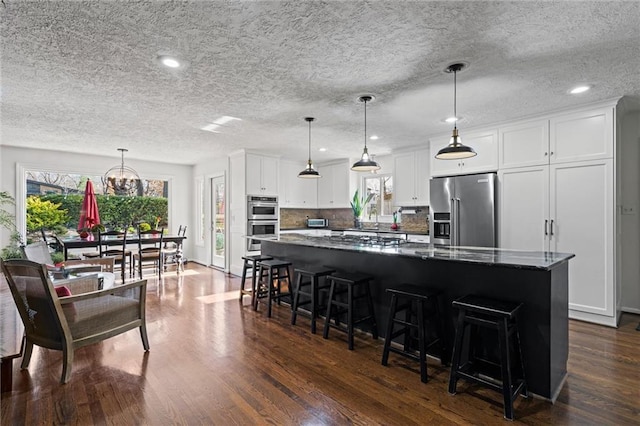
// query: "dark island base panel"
[[543, 322]]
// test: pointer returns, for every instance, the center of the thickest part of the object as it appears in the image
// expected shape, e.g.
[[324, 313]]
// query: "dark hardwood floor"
[[213, 361]]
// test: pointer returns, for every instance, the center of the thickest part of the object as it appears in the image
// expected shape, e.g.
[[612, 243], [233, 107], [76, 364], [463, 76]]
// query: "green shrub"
[[41, 213], [144, 226], [115, 211]]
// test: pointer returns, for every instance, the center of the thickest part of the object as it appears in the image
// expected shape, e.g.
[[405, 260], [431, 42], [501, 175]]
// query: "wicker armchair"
[[68, 323]]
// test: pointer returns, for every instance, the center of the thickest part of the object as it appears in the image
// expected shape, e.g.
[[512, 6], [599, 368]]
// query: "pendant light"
[[309, 172], [122, 180], [365, 164], [455, 150]]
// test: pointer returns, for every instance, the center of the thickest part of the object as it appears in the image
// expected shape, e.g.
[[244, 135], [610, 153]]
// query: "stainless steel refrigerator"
[[463, 210]]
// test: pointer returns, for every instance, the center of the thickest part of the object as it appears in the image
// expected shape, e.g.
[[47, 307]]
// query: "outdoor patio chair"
[[68, 322], [37, 252]]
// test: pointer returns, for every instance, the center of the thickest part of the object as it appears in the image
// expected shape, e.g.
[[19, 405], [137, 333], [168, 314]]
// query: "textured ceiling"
[[84, 76]]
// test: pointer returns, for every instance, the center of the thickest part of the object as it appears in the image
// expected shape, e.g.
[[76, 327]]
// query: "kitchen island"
[[537, 279]]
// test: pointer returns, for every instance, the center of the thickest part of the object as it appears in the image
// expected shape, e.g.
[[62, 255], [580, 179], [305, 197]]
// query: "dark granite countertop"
[[479, 255], [373, 230]]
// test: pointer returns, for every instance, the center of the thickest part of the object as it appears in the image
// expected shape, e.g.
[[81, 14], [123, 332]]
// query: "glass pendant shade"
[[309, 172], [122, 180], [366, 163], [455, 150]]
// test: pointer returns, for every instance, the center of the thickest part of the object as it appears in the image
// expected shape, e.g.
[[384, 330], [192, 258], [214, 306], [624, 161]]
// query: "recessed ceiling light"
[[170, 62], [374, 137], [322, 149], [579, 89]]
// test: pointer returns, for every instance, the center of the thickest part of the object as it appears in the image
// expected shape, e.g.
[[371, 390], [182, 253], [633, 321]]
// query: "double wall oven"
[[262, 219]]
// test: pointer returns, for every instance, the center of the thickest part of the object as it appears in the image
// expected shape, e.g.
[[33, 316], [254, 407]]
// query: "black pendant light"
[[309, 172], [455, 150], [366, 163]]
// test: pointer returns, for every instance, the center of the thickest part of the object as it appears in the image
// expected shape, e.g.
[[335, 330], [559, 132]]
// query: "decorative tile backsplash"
[[343, 219]]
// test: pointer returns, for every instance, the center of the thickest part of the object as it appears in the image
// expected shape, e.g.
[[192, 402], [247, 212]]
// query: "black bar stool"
[[423, 302], [348, 283], [309, 276], [250, 262], [270, 270], [500, 316]]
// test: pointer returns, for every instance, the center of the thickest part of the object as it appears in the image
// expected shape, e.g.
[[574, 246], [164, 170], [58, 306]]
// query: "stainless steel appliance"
[[262, 219], [463, 210], [263, 229], [317, 223], [259, 208]]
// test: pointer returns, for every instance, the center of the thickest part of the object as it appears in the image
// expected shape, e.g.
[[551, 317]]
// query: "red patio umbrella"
[[89, 214]]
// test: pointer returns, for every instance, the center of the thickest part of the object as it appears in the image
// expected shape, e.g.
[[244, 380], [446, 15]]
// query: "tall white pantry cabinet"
[[557, 193]]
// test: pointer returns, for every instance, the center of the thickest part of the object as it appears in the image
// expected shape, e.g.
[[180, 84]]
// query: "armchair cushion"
[[63, 291]]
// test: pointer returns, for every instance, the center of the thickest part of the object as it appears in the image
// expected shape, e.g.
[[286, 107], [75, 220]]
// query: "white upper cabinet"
[[484, 143], [577, 136], [582, 136], [411, 178], [334, 187], [262, 175], [296, 192], [524, 144]]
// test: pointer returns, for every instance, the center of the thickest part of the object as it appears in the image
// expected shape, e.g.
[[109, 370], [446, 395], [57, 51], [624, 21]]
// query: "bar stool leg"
[[389, 332], [296, 299], [270, 291], [505, 366], [254, 283], [374, 325], [261, 272], [524, 391], [243, 279], [325, 333], [314, 302], [421, 342], [350, 317], [457, 349], [445, 356]]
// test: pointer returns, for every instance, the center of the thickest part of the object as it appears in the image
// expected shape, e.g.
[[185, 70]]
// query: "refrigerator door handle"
[[454, 224], [457, 221]]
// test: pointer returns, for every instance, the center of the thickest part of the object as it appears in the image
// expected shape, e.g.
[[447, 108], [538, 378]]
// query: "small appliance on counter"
[[317, 223]]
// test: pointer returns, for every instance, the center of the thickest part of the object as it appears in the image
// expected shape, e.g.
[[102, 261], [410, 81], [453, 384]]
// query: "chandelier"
[[122, 180]]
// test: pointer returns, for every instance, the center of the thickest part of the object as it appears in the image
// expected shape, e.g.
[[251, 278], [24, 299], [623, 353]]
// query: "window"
[[53, 201], [380, 208]]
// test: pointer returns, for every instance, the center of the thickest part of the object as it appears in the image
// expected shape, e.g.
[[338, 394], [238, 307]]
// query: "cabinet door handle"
[[551, 229], [546, 224], [546, 153], [551, 153]]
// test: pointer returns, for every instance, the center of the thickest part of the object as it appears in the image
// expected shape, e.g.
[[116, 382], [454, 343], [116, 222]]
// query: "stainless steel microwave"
[[262, 208], [317, 223]]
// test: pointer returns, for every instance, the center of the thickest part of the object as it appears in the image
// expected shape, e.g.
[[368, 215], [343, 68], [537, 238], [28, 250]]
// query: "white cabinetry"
[[524, 144], [484, 143], [411, 178], [564, 206], [579, 136], [262, 175], [294, 191], [334, 187]]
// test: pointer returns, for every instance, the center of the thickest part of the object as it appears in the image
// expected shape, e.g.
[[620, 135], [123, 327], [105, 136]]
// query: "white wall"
[[630, 221], [179, 176]]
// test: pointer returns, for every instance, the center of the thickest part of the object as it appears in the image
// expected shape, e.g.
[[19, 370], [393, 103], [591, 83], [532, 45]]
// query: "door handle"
[[546, 224], [551, 229]]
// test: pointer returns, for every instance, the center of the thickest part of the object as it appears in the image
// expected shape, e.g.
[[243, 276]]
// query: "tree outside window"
[[381, 205]]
